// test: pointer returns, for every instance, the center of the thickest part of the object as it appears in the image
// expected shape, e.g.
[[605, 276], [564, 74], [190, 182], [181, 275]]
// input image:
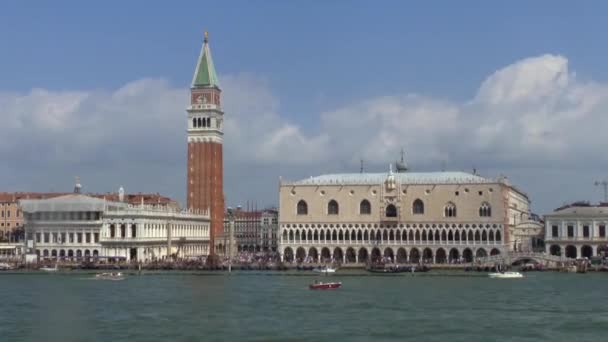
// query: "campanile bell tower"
[[205, 144]]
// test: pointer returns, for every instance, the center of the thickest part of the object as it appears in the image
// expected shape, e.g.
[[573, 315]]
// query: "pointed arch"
[[484, 236], [418, 207], [497, 236], [302, 207], [450, 236], [391, 211], [485, 210], [470, 237], [440, 256], [444, 236], [449, 210], [333, 208], [365, 208], [401, 255]]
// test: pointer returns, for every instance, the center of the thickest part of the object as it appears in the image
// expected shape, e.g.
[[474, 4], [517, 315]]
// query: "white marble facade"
[[78, 227]]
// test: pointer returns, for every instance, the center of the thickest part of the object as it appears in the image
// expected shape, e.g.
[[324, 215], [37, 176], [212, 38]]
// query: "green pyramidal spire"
[[204, 75]]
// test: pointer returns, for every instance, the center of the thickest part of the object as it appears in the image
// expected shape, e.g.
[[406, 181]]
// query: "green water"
[[279, 307]]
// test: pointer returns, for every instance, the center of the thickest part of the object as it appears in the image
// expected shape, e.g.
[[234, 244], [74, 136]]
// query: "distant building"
[[77, 227], [11, 217], [528, 235], [254, 231], [577, 230], [406, 216]]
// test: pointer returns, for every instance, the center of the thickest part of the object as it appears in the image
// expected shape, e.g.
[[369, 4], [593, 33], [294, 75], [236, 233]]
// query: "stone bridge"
[[513, 257]]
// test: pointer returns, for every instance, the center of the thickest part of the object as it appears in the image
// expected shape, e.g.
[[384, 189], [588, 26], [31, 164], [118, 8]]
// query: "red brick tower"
[[205, 139]]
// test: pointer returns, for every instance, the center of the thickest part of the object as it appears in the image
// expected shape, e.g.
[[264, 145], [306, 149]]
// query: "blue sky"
[[311, 58]]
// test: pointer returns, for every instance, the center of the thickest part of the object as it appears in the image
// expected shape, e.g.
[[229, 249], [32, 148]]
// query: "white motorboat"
[[110, 276], [49, 269], [324, 270], [5, 267], [506, 275]]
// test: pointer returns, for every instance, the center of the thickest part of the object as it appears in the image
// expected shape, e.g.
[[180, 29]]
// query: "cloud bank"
[[534, 114]]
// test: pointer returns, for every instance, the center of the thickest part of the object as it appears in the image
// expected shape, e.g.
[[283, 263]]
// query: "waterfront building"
[[577, 230], [269, 231], [254, 231], [11, 217], [205, 171], [77, 226], [406, 216], [528, 235]]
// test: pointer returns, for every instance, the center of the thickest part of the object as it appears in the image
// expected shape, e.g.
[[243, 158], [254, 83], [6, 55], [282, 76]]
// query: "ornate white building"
[[577, 230], [77, 226], [436, 217]]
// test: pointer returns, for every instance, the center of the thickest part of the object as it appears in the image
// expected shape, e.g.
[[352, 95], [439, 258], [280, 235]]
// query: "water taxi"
[[506, 275], [324, 270], [317, 285], [49, 268]]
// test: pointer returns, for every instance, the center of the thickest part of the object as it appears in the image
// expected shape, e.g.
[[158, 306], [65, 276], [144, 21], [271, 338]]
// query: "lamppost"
[[230, 235]]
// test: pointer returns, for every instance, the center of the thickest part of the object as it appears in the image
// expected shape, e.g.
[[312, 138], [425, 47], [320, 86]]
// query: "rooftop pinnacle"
[[204, 75]]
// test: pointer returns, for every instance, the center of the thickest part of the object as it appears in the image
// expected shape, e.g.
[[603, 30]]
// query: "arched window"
[[208, 122], [365, 208], [302, 208], [485, 210], [200, 124], [449, 210], [418, 207], [205, 122], [391, 211], [194, 122], [332, 208]]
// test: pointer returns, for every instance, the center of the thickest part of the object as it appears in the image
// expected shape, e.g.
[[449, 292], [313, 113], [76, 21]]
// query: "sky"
[[99, 90]]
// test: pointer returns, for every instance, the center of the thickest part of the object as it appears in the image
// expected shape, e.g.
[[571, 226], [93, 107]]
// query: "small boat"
[[325, 286], [5, 267], [49, 269], [324, 270], [506, 275], [110, 276]]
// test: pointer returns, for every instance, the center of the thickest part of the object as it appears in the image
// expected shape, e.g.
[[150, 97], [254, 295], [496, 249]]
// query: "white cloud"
[[534, 112]]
